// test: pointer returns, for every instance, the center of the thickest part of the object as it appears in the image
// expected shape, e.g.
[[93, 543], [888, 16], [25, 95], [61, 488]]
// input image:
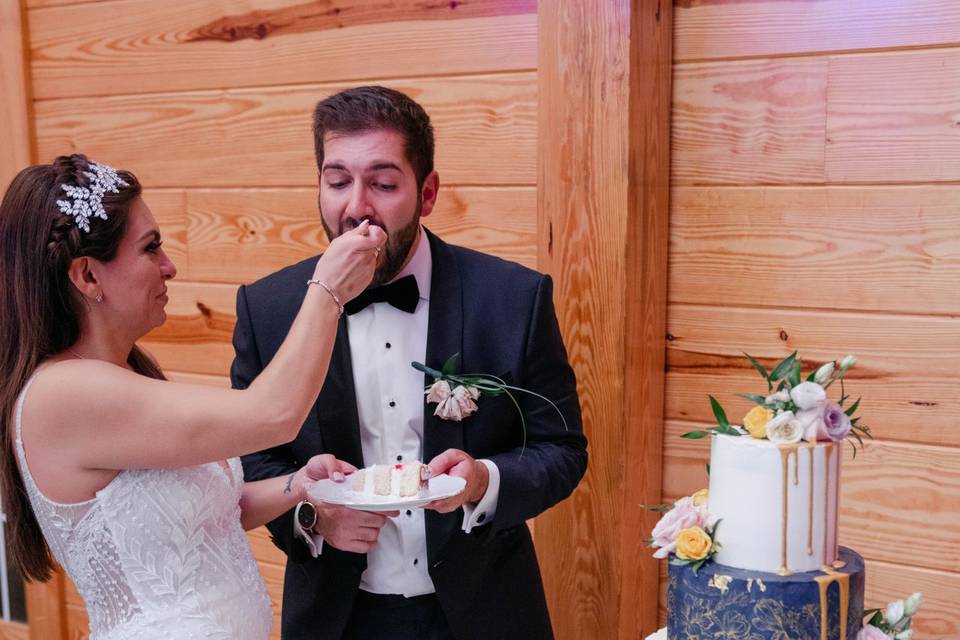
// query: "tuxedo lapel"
[[444, 339], [336, 406]]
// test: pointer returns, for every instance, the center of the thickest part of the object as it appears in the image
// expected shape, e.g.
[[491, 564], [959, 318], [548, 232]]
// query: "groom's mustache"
[[348, 224]]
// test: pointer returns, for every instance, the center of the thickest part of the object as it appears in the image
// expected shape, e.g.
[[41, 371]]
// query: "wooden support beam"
[[15, 97], [604, 166]]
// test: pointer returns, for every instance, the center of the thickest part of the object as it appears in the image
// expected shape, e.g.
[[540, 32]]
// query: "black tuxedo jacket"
[[500, 317]]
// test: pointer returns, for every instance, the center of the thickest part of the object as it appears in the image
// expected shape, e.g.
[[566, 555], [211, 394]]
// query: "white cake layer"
[[395, 481], [749, 498]]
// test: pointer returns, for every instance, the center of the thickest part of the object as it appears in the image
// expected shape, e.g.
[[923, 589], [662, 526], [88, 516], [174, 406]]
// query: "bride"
[[131, 482]]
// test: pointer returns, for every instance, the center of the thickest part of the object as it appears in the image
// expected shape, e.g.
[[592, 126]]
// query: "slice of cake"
[[401, 480]]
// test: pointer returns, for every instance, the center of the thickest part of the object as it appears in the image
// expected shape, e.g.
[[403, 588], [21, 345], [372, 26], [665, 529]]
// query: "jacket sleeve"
[[277, 461], [554, 458]]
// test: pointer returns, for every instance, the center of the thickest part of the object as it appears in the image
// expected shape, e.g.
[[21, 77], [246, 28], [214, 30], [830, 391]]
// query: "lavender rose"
[[836, 422]]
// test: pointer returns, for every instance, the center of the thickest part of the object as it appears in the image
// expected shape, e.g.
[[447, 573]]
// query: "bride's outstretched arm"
[[265, 500]]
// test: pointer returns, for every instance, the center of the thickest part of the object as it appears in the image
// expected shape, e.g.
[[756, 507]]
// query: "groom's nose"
[[359, 207]]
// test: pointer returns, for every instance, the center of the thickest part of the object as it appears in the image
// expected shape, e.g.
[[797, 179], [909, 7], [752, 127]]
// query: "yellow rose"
[[700, 497], [756, 421], [693, 544]]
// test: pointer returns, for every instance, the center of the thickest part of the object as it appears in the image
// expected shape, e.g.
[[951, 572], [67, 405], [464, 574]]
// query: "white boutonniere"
[[456, 394]]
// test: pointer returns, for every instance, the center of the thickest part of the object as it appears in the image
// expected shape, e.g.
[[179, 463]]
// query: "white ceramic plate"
[[442, 486]]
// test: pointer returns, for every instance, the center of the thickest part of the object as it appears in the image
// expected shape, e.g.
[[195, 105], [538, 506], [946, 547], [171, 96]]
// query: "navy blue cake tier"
[[723, 602]]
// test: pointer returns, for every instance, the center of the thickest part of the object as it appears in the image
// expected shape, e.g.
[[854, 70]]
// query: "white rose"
[[465, 397], [911, 604], [894, 612], [438, 391], [784, 429], [807, 395], [811, 423], [824, 373]]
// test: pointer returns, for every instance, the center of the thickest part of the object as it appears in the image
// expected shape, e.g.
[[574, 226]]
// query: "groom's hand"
[[459, 464], [349, 529]]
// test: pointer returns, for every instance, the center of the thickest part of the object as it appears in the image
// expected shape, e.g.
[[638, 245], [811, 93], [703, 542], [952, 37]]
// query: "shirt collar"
[[420, 266]]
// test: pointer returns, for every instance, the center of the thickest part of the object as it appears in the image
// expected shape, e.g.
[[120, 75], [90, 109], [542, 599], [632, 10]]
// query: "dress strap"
[[21, 455]]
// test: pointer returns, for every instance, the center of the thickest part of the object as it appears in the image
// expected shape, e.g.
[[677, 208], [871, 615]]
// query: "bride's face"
[[366, 176], [134, 283]]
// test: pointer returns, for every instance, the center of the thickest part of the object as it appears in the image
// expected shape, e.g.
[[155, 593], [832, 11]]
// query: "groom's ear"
[[428, 193]]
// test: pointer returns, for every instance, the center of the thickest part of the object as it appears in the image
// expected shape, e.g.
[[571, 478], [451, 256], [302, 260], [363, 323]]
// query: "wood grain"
[[716, 29], [15, 93], [751, 122], [873, 248], [584, 113], [595, 178], [485, 129], [196, 336], [645, 293], [887, 582], [910, 134], [239, 236], [891, 492], [14, 631], [908, 384], [134, 46], [45, 607]]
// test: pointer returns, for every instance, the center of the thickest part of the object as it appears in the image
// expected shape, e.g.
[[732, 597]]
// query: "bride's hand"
[[348, 264], [320, 467]]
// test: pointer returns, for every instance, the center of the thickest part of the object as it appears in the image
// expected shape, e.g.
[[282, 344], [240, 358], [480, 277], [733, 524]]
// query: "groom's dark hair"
[[375, 107]]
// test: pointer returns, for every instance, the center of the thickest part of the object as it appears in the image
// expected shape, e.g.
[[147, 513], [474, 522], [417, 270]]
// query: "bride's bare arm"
[[95, 415], [265, 500]]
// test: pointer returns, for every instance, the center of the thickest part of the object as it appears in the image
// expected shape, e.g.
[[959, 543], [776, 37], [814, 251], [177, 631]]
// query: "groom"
[[463, 568]]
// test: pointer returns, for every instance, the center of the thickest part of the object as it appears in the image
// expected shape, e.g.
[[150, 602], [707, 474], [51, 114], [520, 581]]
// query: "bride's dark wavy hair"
[[40, 312]]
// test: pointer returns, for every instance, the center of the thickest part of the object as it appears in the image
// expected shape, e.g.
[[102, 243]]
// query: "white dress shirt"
[[390, 396]]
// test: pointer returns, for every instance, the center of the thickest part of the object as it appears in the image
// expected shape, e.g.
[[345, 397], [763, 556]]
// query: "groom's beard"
[[396, 249]]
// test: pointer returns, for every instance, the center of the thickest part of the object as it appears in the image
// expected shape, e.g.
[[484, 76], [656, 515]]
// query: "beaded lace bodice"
[[158, 554]]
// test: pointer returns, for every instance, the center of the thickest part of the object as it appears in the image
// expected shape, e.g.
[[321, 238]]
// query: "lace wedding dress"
[[158, 554]]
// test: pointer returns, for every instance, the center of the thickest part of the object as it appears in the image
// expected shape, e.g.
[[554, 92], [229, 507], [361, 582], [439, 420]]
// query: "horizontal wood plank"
[[262, 137], [242, 235], [134, 46], [908, 383], [873, 248], [196, 338], [14, 631], [752, 122], [876, 133], [891, 492], [715, 29]]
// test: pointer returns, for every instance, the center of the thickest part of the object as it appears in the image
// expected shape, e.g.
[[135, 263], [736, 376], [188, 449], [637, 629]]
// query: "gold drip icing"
[[721, 582], [843, 582], [836, 507], [785, 451], [838, 564], [828, 450], [810, 449], [763, 587]]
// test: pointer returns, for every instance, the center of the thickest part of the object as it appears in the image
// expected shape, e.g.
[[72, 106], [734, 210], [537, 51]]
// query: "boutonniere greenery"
[[456, 394]]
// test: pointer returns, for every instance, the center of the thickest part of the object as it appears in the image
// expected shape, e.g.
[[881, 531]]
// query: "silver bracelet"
[[329, 290]]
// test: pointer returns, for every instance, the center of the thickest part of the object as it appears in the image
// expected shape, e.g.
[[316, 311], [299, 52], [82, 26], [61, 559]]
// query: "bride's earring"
[[99, 297]]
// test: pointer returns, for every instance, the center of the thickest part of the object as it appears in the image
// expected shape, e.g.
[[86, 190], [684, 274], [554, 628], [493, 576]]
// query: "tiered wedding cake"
[[756, 557]]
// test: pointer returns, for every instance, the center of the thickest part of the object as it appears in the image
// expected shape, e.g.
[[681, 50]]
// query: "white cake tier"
[[777, 505]]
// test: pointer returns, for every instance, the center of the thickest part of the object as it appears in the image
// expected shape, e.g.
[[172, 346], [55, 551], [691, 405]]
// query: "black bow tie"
[[404, 294]]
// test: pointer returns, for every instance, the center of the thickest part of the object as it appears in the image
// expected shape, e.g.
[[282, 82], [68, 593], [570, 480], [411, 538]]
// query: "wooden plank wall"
[[210, 102], [816, 206]]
